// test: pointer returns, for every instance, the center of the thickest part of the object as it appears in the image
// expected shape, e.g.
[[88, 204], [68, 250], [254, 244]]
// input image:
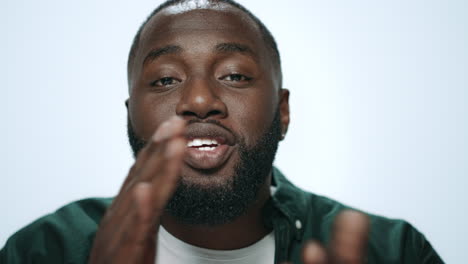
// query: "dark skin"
[[207, 83], [208, 64]]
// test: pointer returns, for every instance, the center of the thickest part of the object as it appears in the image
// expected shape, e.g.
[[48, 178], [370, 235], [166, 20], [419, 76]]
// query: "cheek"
[[148, 111], [253, 115]]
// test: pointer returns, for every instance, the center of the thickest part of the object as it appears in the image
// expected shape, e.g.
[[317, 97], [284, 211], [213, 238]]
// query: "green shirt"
[[296, 216]]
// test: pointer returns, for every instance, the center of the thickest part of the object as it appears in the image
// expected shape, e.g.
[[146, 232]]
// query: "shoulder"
[[400, 240], [64, 236], [390, 240]]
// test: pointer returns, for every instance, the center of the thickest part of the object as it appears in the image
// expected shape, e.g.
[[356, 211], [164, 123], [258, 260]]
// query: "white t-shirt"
[[171, 250]]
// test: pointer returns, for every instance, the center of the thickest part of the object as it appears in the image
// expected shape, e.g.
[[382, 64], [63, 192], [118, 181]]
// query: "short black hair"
[[266, 35]]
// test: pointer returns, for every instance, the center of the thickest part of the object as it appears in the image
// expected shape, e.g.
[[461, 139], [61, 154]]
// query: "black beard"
[[194, 205]]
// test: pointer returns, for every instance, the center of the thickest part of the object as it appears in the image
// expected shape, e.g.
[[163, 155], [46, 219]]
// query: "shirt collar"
[[287, 202]]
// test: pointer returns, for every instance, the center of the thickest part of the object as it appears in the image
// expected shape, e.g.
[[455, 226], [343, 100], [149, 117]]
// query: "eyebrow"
[[230, 47], [154, 54], [233, 47]]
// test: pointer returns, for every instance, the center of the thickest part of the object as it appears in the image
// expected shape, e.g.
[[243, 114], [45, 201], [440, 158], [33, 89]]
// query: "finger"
[[174, 127], [349, 237], [136, 172], [116, 229], [136, 233], [164, 186], [134, 208], [314, 253], [154, 164], [142, 174], [153, 198], [148, 199], [170, 152], [145, 235], [132, 217]]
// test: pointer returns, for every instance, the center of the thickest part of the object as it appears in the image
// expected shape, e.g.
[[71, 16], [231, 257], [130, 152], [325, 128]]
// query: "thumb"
[[349, 237], [314, 253]]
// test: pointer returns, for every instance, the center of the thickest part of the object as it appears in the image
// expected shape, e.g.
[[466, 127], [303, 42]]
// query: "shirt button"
[[298, 224]]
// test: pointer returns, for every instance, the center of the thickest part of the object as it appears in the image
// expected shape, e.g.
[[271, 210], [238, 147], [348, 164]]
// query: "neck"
[[241, 232]]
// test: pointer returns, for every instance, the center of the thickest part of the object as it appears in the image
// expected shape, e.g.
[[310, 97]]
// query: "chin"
[[211, 177]]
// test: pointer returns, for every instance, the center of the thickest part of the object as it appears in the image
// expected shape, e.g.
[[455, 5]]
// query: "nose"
[[201, 99]]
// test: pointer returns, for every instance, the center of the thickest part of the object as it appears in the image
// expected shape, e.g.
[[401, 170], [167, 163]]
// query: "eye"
[[236, 78], [165, 81]]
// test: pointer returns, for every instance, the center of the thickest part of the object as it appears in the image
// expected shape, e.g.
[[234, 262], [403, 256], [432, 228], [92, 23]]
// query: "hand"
[[347, 245], [127, 232]]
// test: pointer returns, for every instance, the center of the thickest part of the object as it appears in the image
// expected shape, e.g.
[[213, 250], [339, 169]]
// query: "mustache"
[[195, 128], [208, 121], [210, 127]]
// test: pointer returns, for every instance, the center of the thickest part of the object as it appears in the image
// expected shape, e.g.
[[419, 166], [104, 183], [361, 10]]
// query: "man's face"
[[212, 68]]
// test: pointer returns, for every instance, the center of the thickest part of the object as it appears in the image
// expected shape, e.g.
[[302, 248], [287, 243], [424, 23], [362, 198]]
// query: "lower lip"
[[207, 159]]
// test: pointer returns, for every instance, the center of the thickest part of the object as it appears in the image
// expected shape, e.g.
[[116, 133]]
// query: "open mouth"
[[203, 144], [207, 153], [208, 146]]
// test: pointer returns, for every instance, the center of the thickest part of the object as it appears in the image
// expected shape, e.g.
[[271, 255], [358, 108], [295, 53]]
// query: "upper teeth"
[[198, 142]]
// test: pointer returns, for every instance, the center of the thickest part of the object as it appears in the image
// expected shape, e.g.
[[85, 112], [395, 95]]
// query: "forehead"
[[199, 26]]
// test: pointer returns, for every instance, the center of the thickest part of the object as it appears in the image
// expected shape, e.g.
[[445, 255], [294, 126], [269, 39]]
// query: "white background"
[[378, 97]]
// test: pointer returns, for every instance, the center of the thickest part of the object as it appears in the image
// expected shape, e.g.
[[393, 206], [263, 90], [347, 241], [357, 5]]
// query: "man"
[[206, 111]]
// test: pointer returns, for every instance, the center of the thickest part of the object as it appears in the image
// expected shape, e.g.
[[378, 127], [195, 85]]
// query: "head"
[[215, 65]]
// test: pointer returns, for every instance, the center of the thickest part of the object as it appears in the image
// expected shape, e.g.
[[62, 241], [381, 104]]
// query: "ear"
[[284, 112]]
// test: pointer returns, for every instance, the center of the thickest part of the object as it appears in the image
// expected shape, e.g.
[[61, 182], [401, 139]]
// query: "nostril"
[[189, 113], [214, 113], [202, 115], [212, 108]]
